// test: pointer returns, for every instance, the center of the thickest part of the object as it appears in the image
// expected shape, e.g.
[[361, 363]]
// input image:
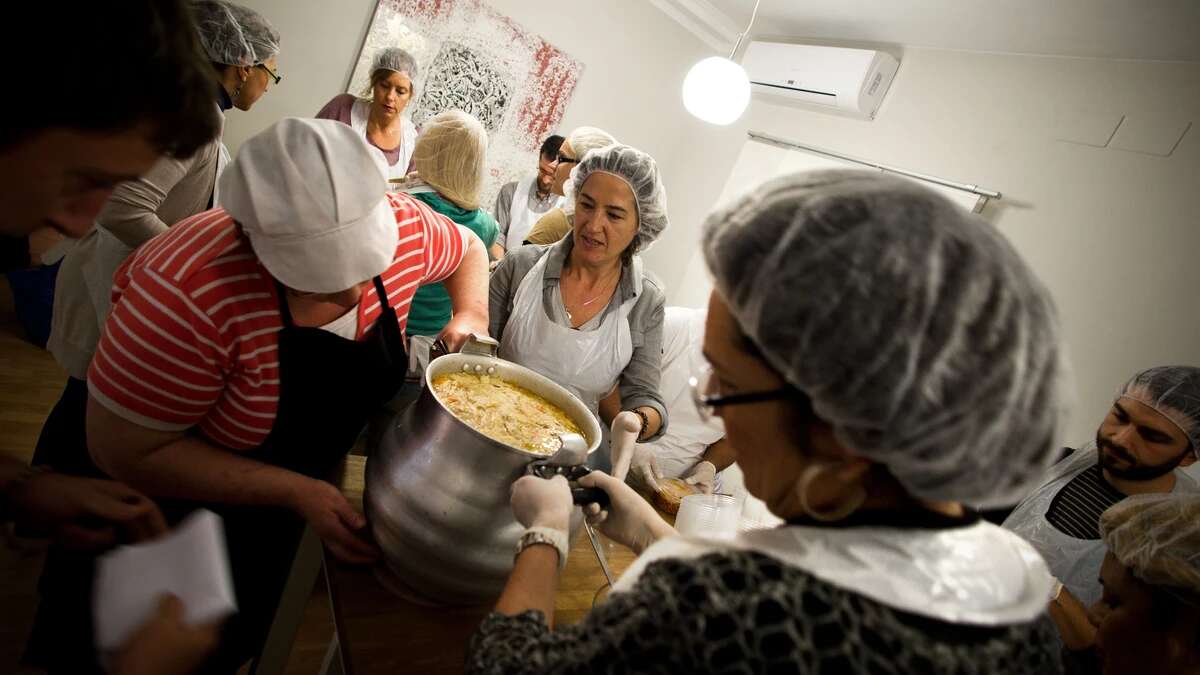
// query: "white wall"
[[635, 59], [1115, 235]]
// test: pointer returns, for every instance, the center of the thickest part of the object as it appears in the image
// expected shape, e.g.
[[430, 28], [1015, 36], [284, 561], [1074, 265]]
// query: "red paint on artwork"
[[425, 10]]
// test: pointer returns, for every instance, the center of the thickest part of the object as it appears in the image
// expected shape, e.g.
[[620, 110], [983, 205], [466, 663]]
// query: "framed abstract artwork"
[[471, 57]]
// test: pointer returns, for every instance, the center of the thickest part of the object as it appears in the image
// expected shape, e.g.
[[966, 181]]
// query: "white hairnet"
[[1157, 536], [582, 141], [640, 172], [397, 59], [1174, 391], [912, 325], [234, 35], [450, 156], [585, 139]]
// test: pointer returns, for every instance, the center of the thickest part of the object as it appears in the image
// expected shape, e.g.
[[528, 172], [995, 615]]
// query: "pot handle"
[[582, 496], [481, 345], [476, 344]]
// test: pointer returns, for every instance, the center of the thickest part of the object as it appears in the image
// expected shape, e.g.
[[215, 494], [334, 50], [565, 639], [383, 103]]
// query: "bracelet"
[[545, 535], [645, 421]]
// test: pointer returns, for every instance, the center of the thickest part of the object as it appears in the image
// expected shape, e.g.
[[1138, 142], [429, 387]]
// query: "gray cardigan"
[[639, 382]]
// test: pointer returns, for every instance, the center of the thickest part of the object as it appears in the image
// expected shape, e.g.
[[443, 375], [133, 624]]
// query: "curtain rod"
[[793, 145]]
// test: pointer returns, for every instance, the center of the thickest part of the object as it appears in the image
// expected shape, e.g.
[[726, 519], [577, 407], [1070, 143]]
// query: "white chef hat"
[[309, 195]]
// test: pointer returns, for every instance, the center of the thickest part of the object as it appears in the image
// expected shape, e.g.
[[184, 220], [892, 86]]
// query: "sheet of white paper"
[[190, 563]]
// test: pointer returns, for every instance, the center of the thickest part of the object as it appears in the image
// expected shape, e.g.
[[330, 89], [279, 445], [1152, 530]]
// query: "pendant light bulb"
[[716, 90]]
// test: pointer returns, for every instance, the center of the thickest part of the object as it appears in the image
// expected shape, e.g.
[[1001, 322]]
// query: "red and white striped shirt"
[[193, 335]]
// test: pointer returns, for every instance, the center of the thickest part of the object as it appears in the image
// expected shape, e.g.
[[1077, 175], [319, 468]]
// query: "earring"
[[238, 91], [839, 512]]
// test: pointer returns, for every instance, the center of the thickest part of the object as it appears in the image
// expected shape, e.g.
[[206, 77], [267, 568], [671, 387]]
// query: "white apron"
[[1074, 562], [520, 219], [408, 137], [586, 363], [980, 574]]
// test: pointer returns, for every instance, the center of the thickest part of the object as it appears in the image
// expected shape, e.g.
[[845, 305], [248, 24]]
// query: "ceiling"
[[1166, 30]]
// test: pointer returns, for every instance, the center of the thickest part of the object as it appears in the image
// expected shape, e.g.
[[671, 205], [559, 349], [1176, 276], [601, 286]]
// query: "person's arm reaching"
[[716, 458], [131, 213], [184, 466], [79, 513], [1070, 617], [468, 289], [537, 503]]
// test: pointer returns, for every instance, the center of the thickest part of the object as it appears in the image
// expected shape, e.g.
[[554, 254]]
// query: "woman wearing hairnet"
[[880, 358], [450, 158], [244, 49], [380, 119], [236, 40], [583, 312], [557, 222], [1148, 620]]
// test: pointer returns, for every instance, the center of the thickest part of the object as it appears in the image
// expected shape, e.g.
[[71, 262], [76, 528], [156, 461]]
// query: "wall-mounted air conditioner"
[[849, 80]]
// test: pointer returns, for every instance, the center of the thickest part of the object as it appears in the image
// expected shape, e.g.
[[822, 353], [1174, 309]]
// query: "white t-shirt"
[[687, 435]]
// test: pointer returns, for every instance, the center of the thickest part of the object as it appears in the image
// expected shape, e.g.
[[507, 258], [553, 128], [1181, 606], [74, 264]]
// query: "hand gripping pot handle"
[[568, 462], [478, 345]]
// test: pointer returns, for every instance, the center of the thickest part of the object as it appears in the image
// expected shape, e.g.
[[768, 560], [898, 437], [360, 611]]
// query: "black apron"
[[329, 387]]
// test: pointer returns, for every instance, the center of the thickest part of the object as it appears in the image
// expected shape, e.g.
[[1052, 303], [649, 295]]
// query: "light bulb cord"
[[753, 16]]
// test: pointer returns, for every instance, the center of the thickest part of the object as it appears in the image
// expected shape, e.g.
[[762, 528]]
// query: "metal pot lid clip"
[[568, 462]]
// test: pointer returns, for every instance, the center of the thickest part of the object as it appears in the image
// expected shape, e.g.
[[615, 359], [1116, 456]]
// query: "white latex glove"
[[629, 519], [625, 429], [541, 502], [703, 475], [644, 466]]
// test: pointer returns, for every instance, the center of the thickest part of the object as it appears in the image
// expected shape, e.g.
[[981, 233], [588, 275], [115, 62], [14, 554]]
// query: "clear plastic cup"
[[713, 515]]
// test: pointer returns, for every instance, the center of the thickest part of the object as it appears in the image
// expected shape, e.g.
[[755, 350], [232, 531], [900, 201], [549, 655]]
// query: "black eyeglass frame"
[[270, 73], [707, 405]]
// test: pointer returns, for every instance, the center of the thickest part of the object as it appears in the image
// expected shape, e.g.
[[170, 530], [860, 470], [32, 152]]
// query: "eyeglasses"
[[270, 72], [707, 404], [560, 158]]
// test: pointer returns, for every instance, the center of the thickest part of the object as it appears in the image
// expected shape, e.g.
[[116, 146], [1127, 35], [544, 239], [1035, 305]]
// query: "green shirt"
[[430, 311]]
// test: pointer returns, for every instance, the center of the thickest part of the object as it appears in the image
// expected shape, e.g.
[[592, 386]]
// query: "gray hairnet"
[[1157, 536], [1174, 391], [912, 325], [640, 172], [397, 59], [234, 35]]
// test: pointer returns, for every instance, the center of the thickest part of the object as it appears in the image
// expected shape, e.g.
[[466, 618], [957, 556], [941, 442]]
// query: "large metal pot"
[[437, 490]]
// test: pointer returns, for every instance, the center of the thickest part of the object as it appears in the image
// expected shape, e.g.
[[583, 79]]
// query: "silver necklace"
[[588, 302]]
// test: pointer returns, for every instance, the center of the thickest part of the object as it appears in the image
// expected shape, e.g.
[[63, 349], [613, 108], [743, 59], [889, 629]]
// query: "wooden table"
[[380, 632]]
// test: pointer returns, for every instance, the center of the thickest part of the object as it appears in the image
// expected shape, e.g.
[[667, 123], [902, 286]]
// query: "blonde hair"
[[450, 156]]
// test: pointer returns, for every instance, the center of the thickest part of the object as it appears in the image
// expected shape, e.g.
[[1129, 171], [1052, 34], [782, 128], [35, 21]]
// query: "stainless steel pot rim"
[[454, 363]]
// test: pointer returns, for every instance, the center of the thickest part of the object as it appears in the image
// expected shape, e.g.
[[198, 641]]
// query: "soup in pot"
[[504, 412]]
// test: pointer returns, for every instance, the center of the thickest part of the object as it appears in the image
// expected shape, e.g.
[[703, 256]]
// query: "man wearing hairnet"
[[1148, 620], [1152, 428]]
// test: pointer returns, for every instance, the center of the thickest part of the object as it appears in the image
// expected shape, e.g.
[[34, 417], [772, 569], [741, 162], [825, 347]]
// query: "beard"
[[1135, 470]]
